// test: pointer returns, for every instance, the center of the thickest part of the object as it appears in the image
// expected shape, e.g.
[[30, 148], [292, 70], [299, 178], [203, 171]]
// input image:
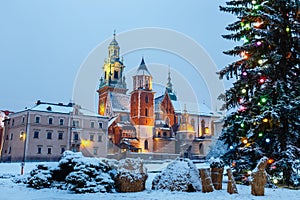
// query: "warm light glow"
[[22, 136], [244, 91], [242, 108], [206, 130], [275, 181], [265, 120], [270, 160], [85, 143], [260, 62], [247, 26], [233, 164], [257, 24], [249, 172], [245, 141], [253, 2], [287, 29]]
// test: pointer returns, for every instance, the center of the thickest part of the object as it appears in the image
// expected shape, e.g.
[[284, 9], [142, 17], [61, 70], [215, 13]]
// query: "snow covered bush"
[[131, 175], [40, 177], [180, 175], [216, 163]]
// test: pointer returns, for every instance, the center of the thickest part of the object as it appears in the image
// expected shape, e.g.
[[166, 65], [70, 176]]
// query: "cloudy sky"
[[44, 43]]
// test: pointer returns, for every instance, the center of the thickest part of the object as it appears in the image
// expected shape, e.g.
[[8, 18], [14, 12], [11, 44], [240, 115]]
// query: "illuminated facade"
[[144, 122]]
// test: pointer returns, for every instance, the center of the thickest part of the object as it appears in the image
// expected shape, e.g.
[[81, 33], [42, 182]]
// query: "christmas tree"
[[264, 101]]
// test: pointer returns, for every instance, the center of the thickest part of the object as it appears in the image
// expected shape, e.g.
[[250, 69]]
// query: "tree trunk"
[[206, 181], [217, 177], [231, 186]]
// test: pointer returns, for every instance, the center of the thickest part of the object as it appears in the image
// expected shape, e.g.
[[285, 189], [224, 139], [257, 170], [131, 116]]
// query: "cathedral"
[[142, 121]]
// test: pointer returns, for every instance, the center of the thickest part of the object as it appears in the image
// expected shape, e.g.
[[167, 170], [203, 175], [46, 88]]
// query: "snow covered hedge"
[[180, 175], [86, 175]]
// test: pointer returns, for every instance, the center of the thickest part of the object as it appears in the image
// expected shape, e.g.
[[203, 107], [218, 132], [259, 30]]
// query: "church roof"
[[113, 43], [120, 102], [143, 70]]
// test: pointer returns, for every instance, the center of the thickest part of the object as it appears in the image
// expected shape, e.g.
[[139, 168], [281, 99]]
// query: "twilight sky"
[[44, 43]]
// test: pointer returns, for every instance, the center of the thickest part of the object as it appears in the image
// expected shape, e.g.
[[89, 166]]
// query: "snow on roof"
[[52, 108], [192, 108], [120, 102], [86, 112]]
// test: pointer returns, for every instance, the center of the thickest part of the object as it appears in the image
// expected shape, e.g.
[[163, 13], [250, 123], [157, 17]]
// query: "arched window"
[[202, 127], [146, 145]]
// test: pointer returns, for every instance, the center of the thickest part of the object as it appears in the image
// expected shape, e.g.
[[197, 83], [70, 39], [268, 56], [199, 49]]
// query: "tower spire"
[[114, 34], [169, 84]]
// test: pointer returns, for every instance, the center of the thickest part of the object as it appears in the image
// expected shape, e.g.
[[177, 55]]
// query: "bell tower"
[[142, 107], [113, 79]]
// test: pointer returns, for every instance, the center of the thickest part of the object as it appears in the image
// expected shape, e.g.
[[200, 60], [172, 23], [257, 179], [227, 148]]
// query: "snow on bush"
[[180, 175], [216, 163], [40, 177]]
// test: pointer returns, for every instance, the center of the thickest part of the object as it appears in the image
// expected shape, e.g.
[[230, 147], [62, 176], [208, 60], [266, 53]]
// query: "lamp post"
[[23, 137]]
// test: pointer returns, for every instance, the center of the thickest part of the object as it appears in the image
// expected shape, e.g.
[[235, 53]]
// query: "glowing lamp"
[[258, 43], [253, 2], [260, 62], [244, 91], [245, 39], [247, 26], [233, 164], [256, 7], [287, 29], [245, 141], [249, 172], [244, 73], [267, 140], [265, 120], [262, 80], [257, 24], [231, 147], [263, 100], [270, 161]]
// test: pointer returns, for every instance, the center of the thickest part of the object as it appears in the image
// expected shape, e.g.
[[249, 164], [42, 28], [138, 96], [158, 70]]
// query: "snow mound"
[[180, 175]]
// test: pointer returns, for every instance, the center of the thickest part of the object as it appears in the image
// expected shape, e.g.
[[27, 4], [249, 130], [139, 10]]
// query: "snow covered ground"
[[12, 191]]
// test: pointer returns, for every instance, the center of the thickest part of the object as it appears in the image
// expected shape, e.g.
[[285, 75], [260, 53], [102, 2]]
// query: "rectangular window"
[[92, 137], [100, 125], [92, 124], [13, 122], [39, 150], [62, 149], [36, 134], [49, 150], [50, 121], [99, 138], [23, 120], [61, 122], [95, 151], [75, 123], [60, 135], [76, 136], [49, 135], [37, 119], [11, 136], [9, 150]]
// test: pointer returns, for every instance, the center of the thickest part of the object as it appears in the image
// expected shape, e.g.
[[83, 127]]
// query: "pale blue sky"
[[43, 43]]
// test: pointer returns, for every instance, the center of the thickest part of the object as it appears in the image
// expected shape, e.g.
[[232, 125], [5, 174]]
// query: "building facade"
[[141, 121], [45, 131]]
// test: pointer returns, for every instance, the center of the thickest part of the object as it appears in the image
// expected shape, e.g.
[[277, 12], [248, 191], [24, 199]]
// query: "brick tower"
[[142, 107]]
